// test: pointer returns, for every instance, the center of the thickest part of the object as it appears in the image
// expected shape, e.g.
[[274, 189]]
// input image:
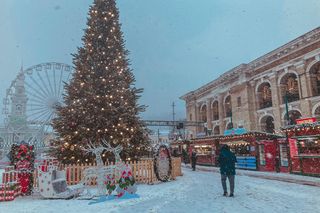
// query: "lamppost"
[[231, 120], [287, 136]]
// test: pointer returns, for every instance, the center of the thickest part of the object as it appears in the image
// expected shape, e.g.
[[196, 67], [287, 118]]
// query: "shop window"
[[242, 149], [203, 149], [283, 155], [309, 146], [262, 155]]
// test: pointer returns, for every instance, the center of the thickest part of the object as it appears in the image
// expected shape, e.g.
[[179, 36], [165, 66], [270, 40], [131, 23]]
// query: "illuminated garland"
[[250, 136], [302, 129]]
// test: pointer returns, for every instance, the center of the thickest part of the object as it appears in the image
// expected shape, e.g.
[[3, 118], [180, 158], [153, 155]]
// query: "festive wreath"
[[22, 158], [126, 180], [162, 163]]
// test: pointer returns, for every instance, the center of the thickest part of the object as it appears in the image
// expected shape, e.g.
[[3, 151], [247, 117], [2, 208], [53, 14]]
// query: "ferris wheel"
[[32, 99]]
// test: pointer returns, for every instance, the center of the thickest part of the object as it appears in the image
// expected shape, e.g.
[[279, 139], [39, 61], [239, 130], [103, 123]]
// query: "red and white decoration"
[[10, 188]]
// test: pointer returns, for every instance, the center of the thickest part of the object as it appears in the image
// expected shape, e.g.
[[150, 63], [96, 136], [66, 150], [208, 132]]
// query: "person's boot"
[[231, 195], [225, 194]]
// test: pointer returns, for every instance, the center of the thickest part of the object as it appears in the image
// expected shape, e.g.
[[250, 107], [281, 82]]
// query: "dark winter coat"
[[194, 157], [227, 162]]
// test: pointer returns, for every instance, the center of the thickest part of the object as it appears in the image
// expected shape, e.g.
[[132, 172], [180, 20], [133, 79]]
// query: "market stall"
[[246, 148], [206, 149], [273, 155], [181, 149], [178, 147], [245, 151], [304, 148]]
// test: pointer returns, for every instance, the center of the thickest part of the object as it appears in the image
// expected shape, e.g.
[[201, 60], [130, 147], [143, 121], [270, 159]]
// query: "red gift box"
[[8, 168], [10, 176], [9, 192], [24, 180]]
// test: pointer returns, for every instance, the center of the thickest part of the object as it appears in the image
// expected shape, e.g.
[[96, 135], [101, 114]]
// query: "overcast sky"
[[175, 45]]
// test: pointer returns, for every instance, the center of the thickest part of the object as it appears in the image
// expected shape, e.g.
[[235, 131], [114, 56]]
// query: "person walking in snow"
[[227, 161], [193, 160]]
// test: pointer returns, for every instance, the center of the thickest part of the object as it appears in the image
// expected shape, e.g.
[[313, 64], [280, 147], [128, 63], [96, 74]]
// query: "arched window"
[[228, 107], [229, 126], [293, 116], [203, 113], [264, 96], [216, 130], [267, 124], [315, 79], [289, 88], [215, 111], [1, 143], [317, 112], [19, 109]]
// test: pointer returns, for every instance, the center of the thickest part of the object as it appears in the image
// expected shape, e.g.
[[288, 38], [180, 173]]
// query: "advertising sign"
[[306, 120], [238, 131]]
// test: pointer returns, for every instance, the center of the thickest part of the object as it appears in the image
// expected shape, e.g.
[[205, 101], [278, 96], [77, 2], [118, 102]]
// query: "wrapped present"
[[17, 190], [9, 191], [50, 161], [43, 168], [9, 168], [10, 176], [24, 179]]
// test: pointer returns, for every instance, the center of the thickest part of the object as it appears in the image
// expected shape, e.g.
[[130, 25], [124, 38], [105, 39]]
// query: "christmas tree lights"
[[101, 100]]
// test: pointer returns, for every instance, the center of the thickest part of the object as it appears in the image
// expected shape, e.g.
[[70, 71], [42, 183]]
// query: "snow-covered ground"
[[194, 192], [285, 177]]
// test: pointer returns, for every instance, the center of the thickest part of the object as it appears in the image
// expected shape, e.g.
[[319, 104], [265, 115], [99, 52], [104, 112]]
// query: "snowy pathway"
[[194, 192]]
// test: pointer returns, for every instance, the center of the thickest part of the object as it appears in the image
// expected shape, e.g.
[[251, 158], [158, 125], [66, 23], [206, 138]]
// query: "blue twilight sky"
[[176, 45]]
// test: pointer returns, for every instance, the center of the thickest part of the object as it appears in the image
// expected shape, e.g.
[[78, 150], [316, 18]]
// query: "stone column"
[[209, 114], [305, 92], [191, 109], [252, 106], [275, 92], [197, 116], [309, 91], [221, 113]]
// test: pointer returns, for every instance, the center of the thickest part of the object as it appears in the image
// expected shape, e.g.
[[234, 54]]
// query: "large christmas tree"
[[101, 101]]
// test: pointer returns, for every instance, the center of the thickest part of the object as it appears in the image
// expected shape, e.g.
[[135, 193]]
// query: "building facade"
[[253, 95], [16, 128]]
